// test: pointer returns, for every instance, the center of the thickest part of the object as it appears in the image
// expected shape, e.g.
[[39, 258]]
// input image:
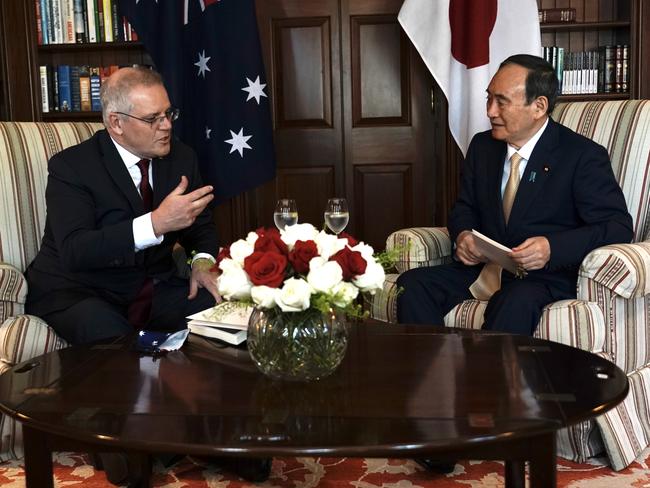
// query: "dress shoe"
[[436, 466], [254, 470]]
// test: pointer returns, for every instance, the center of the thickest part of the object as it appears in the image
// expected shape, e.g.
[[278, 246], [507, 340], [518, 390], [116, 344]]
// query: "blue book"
[[45, 21], [65, 94], [95, 85]]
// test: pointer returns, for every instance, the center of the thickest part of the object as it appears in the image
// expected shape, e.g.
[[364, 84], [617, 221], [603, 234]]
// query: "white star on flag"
[[141, 333], [238, 142], [207, 132], [255, 89], [202, 63]]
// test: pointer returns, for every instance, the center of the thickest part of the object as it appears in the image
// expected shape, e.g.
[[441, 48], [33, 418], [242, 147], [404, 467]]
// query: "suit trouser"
[[94, 318], [428, 294]]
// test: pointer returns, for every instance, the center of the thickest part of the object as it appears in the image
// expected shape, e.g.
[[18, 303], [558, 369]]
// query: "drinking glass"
[[337, 215], [286, 213]]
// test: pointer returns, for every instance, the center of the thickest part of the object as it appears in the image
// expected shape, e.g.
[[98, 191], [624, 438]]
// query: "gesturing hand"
[[178, 210], [533, 253], [202, 277]]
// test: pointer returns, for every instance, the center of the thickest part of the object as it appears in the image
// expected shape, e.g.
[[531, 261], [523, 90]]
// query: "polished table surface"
[[401, 391]]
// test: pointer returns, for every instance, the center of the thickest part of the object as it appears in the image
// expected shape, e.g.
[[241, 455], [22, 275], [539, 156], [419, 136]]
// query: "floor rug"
[[72, 470]]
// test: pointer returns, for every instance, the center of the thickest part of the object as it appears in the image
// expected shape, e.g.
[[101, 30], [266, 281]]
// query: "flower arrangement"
[[299, 268]]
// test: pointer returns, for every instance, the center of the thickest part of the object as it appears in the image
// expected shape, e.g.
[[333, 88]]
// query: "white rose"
[[240, 250], [373, 279], [298, 232], [264, 296], [233, 283], [365, 250], [294, 295], [344, 293], [252, 237], [324, 275], [329, 244]]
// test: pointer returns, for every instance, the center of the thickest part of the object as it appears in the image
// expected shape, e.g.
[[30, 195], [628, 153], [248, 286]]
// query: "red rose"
[[351, 240], [302, 253], [266, 268], [351, 262], [224, 253], [270, 241]]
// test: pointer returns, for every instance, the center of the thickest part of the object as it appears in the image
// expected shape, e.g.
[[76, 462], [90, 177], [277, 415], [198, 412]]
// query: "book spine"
[[45, 101], [75, 92], [609, 71], [69, 30], [549, 15], [559, 66], [79, 22], [108, 21], [90, 14], [84, 88], [618, 76], [625, 86], [54, 76], [118, 34], [99, 19], [56, 21], [39, 22], [65, 95], [95, 86]]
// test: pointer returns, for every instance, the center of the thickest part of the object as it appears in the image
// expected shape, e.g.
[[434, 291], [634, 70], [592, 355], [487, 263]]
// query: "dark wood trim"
[[578, 26], [92, 46]]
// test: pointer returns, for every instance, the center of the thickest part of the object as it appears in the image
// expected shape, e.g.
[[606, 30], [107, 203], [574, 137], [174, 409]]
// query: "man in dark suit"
[[102, 247], [561, 202], [116, 206]]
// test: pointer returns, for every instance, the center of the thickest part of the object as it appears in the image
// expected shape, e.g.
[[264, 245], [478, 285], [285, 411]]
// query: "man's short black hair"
[[541, 80]]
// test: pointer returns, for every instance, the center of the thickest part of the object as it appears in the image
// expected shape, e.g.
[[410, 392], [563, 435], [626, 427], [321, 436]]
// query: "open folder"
[[496, 253]]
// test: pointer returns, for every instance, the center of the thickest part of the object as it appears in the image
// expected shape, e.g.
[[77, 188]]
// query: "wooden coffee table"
[[402, 391]]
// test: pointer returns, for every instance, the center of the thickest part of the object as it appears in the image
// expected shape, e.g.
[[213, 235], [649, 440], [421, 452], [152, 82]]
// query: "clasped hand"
[[530, 255], [179, 210]]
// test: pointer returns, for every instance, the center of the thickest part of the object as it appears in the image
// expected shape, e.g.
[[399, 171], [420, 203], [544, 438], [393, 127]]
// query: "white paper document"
[[495, 252], [225, 315], [231, 336]]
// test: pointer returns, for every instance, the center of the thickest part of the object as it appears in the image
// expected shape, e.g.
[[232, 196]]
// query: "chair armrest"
[[13, 285], [420, 247], [622, 268]]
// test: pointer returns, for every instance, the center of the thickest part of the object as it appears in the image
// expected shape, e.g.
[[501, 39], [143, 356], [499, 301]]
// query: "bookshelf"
[[22, 93], [601, 23]]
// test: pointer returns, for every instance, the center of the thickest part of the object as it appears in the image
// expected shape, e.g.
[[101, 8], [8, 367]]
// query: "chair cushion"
[[419, 247], [24, 337]]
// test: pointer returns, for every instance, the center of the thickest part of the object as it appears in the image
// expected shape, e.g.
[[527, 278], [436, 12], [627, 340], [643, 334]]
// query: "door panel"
[[351, 112]]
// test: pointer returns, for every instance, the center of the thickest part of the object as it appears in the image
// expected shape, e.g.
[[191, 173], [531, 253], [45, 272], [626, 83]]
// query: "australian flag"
[[208, 53]]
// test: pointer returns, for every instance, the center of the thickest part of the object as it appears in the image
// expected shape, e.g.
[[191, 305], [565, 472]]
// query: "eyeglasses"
[[170, 114]]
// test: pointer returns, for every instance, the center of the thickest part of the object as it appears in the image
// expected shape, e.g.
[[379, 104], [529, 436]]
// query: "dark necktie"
[[140, 308]]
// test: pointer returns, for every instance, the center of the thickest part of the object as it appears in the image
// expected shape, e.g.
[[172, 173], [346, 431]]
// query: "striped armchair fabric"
[[25, 148], [611, 315]]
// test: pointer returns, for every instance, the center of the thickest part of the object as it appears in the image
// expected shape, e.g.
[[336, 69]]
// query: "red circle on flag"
[[471, 23]]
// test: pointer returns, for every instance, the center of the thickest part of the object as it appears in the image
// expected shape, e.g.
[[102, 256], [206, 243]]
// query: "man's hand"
[[178, 211], [533, 253], [203, 278], [467, 251]]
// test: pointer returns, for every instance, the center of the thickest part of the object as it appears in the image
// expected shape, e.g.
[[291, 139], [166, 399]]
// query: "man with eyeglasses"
[[117, 204]]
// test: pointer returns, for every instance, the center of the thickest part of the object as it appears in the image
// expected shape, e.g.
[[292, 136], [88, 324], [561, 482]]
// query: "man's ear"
[[541, 106], [115, 123]]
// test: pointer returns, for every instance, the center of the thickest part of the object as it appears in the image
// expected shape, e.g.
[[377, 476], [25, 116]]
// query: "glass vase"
[[297, 346]]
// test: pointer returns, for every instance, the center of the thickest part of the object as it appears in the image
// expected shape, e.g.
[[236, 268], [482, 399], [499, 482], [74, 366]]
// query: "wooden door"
[[352, 114]]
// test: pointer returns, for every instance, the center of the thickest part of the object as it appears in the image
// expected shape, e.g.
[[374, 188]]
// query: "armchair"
[[611, 315], [25, 148]]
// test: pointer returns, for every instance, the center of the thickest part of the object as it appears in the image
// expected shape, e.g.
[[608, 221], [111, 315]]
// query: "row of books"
[[79, 21], [606, 70], [552, 15], [67, 88]]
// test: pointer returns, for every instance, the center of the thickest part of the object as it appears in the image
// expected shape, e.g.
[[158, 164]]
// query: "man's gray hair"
[[115, 92]]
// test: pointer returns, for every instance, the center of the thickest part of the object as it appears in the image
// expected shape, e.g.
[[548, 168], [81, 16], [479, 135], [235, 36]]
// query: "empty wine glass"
[[337, 215], [286, 213]]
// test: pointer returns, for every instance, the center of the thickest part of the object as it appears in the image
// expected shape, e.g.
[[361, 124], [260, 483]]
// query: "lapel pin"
[[546, 169], [532, 176]]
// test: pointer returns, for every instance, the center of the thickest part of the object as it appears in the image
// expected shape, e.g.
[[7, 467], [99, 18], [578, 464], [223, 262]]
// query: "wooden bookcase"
[[601, 23], [22, 56]]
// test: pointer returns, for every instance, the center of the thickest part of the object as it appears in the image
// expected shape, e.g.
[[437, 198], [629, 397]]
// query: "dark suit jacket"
[[567, 194], [87, 248]]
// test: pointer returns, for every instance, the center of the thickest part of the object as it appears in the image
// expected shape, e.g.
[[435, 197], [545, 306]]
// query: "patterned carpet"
[[71, 470]]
